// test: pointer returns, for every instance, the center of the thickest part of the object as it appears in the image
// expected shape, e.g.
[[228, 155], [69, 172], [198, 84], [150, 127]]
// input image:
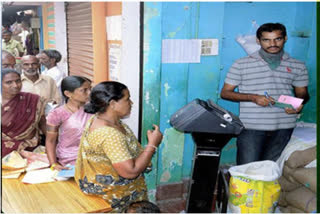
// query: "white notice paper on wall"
[[209, 47], [114, 61], [114, 26], [181, 50]]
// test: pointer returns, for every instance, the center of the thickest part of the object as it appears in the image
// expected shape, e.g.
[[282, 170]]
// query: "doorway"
[[24, 20]]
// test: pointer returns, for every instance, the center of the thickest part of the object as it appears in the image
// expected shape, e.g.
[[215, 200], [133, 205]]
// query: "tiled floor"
[[172, 206], [178, 205]]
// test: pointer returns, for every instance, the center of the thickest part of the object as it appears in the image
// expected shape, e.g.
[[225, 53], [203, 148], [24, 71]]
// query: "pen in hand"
[[267, 96]]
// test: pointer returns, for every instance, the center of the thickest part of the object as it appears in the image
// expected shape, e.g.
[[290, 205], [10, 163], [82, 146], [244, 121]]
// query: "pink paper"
[[295, 102], [32, 156]]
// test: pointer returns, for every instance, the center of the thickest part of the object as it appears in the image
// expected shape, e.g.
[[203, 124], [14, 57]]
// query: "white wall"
[[61, 34], [129, 74], [130, 65]]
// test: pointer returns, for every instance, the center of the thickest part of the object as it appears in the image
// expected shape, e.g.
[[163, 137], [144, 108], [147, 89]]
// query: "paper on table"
[[36, 165], [40, 176], [294, 101], [33, 156], [11, 173], [68, 173], [15, 175]]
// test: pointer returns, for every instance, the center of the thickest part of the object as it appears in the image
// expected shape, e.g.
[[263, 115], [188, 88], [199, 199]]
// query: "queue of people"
[[87, 133], [86, 129]]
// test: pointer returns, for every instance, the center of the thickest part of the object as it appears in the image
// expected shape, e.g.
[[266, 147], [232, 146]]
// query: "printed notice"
[[181, 50], [114, 25], [114, 61], [209, 47]]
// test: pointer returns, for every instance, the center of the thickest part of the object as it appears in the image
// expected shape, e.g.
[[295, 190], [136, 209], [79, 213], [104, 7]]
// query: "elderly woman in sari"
[[111, 161], [22, 115], [65, 123]]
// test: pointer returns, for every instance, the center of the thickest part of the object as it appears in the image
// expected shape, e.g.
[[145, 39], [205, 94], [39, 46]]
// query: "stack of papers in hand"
[[285, 101]]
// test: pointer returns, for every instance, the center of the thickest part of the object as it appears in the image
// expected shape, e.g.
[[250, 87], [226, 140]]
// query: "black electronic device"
[[211, 128], [205, 116]]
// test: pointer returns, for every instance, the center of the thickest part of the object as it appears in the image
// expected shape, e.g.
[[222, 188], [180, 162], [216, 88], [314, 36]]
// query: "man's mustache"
[[31, 70], [273, 47]]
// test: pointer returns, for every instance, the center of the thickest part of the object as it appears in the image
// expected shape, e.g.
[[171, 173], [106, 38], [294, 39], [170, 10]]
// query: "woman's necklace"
[[109, 121], [69, 108], [114, 124]]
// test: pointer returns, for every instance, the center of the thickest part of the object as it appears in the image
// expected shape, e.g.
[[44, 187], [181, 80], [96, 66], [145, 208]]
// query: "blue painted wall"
[[168, 87], [300, 21]]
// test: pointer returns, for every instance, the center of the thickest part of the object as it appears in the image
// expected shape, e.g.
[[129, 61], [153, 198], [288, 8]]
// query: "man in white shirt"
[[49, 59]]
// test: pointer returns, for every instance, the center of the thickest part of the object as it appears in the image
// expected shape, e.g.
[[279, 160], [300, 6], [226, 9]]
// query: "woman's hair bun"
[[90, 108]]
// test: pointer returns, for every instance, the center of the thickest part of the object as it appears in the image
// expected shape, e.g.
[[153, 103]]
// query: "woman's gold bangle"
[[53, 165]]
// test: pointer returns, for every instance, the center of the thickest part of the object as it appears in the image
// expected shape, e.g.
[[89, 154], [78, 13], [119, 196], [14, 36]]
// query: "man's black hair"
[[52, 54], [7, 32], [269, 27], [143, 207]]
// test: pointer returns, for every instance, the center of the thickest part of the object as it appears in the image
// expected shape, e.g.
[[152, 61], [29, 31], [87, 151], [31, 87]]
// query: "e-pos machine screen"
[[206, 116]]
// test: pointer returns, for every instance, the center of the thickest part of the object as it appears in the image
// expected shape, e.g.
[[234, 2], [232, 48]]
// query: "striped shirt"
[[252, 74]]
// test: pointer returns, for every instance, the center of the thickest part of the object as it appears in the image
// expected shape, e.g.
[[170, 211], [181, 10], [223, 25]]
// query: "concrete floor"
[[172, 206]]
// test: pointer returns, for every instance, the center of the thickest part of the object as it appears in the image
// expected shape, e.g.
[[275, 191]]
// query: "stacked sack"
[[299, 183]]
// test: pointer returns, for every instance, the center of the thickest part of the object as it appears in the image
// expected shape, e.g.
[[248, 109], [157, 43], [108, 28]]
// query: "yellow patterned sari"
[[94, 172]]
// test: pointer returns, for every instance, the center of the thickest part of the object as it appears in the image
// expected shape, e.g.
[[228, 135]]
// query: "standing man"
[[49, 59], [272, 72], [7, 60], [11, 45], [36, 83]]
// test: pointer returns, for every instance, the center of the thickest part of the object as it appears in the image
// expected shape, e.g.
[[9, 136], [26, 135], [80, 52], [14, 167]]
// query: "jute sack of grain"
[[302, 198], [287, 185], [302, 158], [282, 199], [290, 209], [293, 209], [307, 177], [284, 209]]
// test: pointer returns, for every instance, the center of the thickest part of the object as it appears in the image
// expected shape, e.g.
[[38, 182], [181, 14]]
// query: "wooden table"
[[54, 197]]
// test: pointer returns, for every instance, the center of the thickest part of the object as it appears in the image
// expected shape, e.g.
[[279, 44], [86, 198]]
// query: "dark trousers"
[[254, 145]]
